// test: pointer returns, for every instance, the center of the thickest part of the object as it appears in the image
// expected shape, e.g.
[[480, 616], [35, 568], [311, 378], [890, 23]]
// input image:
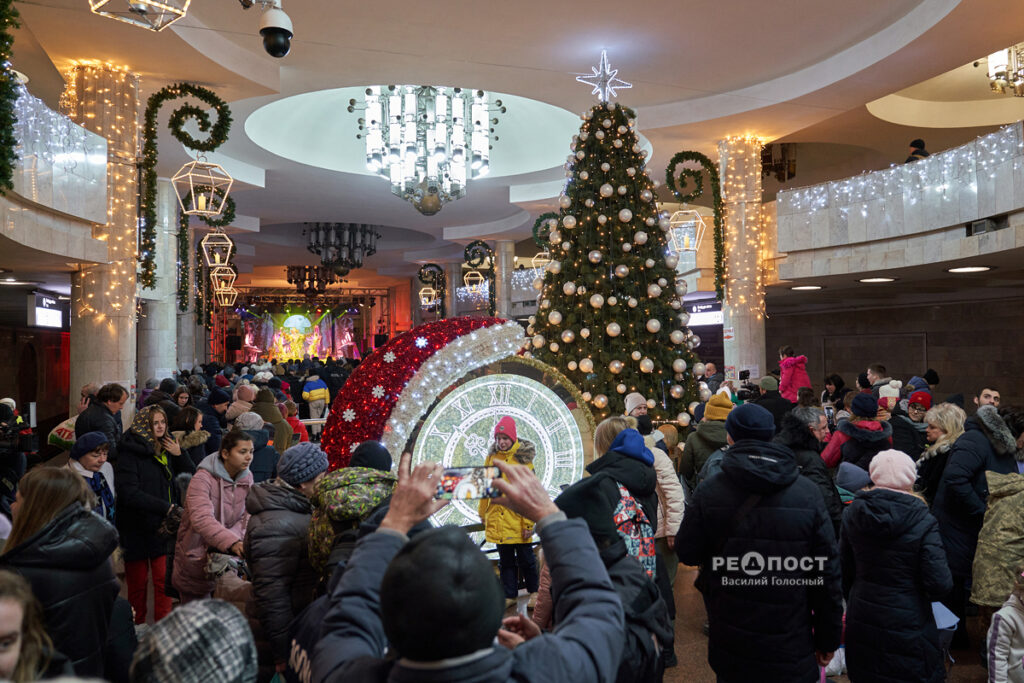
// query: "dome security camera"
[[276, 29]]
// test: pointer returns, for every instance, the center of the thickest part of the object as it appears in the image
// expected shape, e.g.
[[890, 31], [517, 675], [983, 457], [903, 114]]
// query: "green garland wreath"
[[697, 176], [476, 253], [9, 91], [218, 135], [541, 230]]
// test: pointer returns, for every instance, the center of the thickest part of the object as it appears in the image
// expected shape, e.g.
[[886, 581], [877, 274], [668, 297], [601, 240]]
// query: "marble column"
[[505, 262], [105, 100], [743, 309], [157, 334], [454, 271]]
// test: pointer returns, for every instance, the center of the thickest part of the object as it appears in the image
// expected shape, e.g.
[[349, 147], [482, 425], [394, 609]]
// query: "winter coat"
[[215, 517], [277, 551], [237, 407], [776, 404], [794, 376], [193, 444], [298, 428], [930, 467], [107, 470], [265, 407], [214, 424], [264, 457], [894, 567], [165, 401], [985, 446], [67, 563], [908, 436], [315, 389], [623, 463], [96, 418], [145, 493], [1006, 643], [714, 382], [1001, 541], [501, 524], [768, 633], [707, 438], [669, 490], [867, 438], [805, 447]]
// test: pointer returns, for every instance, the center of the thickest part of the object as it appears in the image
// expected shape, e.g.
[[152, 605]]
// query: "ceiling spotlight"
[[968, 269], [873, 280], [806, 288]]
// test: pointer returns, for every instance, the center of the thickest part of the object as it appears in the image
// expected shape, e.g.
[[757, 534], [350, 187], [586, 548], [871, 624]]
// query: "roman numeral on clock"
[[563, 460], [554, 428], [434, 431], [442, 516], [501, 394], [462, 405]]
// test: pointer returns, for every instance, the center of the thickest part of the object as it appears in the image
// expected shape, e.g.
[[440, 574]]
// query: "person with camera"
[[435, 603]]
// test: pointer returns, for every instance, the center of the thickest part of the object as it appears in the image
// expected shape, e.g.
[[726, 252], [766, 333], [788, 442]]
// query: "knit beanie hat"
[[222, 381], [218, 396], [371, 454], [931, 376], [749, 421], [506, 426], [863, 405], [916, 383], [894, 470], [204, 640], [168, 385], [634, 401], [301, 462], [87, 443], [249, 421], [698, 411], [152, 383], [247, 393], [852, 477], [921, 397], [769, 383], [718, 408], [453, 609], [890, 390]]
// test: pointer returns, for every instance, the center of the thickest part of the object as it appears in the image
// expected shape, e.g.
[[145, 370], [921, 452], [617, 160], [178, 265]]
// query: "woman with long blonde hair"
[[944, 425]]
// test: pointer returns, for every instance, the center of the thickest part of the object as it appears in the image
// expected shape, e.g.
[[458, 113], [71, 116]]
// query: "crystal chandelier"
[[311, 280], [150, 14], [427, 140], [341, 246], [1006, 70]]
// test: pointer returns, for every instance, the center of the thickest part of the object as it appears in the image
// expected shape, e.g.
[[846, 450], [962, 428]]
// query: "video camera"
[[747, 391]]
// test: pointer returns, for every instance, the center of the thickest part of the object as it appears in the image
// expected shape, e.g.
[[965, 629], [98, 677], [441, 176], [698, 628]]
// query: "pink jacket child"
[[215, 517], [794, 376]]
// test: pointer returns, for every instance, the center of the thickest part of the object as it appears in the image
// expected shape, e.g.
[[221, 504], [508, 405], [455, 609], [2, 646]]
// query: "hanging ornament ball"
[[664, 223], [594, 256], [613, 329], [566, 246], [622, 190], [538, 283], [606, 190], [695, 341], [538, 341], [651, 403], [529, 330], [585, 332], [636, 355], [698, 369], [606, 167], [612, 301], [532, 319], [621, 388], [646, 195], [677, 337], [653, 325], [564, 201], [584, 175], [555, 237], [631, 171], [684, 318], [647, 365], [621, 270], [625, 215], [631, 122], [636, 148], [649, 263], [599, 135], [676, 391], [662, 282], [692, 407], [569, 222], [607, 123], [649, 221], [627, 247], [569, 288], [580, 155], [676, 304], [597, 301], [640, 237], [622, 130], [681, 288], [555, 317], [600, 401], [679, 365], [672, 261], [653, 291], [555, 267], [568, 336], [632, 302], [615, 367], [581, 290], [571, 365], [584, 134], [683, 419], [617, 144], [588, 202], [546, 303], [553, 346], [587, 365], [602, 219], [586, 395], [705, 395]]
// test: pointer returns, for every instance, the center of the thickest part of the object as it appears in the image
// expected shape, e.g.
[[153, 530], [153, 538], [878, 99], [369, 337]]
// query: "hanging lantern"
[[225, 297], [217, 249], [202, 188], [222, 278], [474, 280], [428, 295], [148, 14], [686, 230], [541, 260]]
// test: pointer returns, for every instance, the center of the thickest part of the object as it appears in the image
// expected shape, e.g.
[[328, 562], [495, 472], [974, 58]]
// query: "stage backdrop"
[[293, 335]]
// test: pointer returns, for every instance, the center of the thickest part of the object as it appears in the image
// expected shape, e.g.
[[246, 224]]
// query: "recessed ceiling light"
[[871, 280], [16, 283], [9, 279], [969, 269], [806, 288]]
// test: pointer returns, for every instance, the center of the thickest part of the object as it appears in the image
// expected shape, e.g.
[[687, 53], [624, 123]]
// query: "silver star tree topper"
[[603, 80]]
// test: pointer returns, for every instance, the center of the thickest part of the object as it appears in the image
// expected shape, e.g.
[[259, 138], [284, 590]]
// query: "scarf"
[[98, 484]]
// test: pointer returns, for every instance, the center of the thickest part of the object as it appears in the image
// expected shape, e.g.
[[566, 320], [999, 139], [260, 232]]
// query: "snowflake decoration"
[[378, 391], [353, 447], [348, 415], [389, 357], [421, 342]]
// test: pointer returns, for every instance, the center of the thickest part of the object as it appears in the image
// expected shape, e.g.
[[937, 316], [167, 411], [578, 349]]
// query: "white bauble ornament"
[[612, 301], [581, 290], [625, 215], [681, 288], [676, 304], [622, 190], [640, 237], [632, 302], [597, 301], [555, 267], [532, 319], [555, 237], [569, 221], [572, 365], [586, 395], [580, 155], [529, 330], [683, 419], [631, 171], [647, 365], [585, 332], [679, 365], [589, 203], [555, 317], [653, 325], [553, 346], [538, 341], [698, 369], [653, 291], [599, 135], [692, 407], [705, 395], [615, 367], [622, 130], [617, 144], [606, 190], [621, 388], [636, 355], [602, 219], [606, 167], [570, 159], [564, 201], [672, 261], [584, 135], [695, 341], [594, 256], [627, 247], [538, 283], [600, 401], [662, 282], [677, 337], [566, 246], [649, 221], [584, 175], [646, 195], [649, 263], [546, 303], [676, 391], [568, 336], [607, 123], [684, 318], [569, 288], [636, 148], [586, 365], [651, 403], [613, 329], [664, 223], [622, 270]]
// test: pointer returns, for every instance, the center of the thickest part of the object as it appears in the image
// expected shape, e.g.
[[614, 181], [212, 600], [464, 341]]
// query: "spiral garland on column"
[[432, 275], [476, 254], [697, 176], [218, 135], [8, 96]]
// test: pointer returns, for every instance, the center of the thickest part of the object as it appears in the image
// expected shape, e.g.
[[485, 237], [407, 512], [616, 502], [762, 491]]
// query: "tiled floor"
[[692, 651]]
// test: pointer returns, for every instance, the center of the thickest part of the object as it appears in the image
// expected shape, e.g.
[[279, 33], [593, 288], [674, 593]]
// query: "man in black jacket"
[[772, 401], [771, 576], [802, 431], [102, 416]]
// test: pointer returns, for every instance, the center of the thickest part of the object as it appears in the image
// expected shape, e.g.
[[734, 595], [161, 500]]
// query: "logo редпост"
[[755, 569]]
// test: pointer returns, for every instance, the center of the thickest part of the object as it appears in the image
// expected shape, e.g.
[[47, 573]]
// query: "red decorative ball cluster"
[[361, 409]]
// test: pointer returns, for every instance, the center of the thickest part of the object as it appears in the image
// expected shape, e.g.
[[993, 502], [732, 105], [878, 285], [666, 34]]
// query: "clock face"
[[458, 433]]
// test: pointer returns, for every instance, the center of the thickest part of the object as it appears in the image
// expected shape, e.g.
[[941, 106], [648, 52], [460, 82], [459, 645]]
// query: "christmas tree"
[[610, 311]]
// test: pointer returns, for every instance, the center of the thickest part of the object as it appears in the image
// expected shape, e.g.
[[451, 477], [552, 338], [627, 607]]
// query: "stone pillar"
[[505, 258], [157, 335], [105, 100], [740, 167], [454, 282]]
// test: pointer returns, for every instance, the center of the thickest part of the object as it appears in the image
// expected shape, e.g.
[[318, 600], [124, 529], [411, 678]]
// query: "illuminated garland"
[[541, 228], [477, 253], [697, 176], [8, 96], [218, 136], [433, 275], [227, 217]]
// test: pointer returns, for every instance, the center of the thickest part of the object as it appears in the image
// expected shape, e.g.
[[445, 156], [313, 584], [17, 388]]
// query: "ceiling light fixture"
[[311, 280], [874, 280], [149, 14], [806, 288], [1006, 71], [427, 140], [968, 269], [341, 246]]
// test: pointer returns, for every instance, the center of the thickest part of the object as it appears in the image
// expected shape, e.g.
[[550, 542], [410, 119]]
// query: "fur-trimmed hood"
[[191, 439], [866, 431], [524, 455], [993, 426], [796, 435]]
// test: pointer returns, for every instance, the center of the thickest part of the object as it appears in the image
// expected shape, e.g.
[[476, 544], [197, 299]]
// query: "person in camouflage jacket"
[[1001, 541]]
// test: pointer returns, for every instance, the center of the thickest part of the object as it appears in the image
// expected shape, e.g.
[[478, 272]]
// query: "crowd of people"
[[846, 517]]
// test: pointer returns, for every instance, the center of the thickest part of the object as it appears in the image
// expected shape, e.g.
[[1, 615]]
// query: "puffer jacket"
[[265, 407], [930, 467], [670, 491], [215, 517], [870, 437], [67, 563], [985, 446], [1001, 541], [1005, 636], [707, 438], [277, 551], [794, 376], [894, 567], [501, 524], [315, 389], [264, 457], [794, 434]]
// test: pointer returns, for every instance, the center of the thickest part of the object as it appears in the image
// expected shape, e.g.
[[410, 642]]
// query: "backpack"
[[635, 530]]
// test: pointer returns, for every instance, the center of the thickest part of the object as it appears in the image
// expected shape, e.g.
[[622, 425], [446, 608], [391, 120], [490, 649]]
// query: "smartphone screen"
[[467, 483], [830, 413]]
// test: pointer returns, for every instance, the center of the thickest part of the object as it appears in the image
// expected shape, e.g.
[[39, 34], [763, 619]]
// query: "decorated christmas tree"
[[610, 312]]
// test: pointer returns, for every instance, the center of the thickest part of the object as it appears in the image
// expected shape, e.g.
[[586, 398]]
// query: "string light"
[[740, 161]]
